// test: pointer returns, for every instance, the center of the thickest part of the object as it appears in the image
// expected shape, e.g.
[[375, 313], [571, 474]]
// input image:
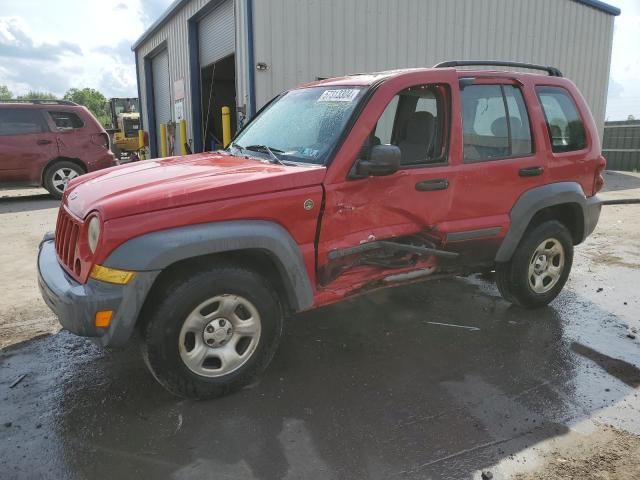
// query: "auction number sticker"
[[340, 95]]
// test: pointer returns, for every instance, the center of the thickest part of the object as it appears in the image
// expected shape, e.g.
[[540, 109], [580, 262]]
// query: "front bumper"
[[76, 304], [592, 209]]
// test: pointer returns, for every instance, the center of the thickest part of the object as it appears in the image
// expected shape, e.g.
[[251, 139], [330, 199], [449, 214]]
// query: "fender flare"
[[158, 250], [536, 199]]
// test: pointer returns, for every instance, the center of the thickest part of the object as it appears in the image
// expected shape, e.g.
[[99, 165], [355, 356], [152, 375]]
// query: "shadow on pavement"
[[363, 389], [616, 181], [27, 203]]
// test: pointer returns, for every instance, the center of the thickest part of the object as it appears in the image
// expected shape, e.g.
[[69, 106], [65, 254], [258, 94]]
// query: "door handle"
[[531, 171], [430, 185], [44, 142]]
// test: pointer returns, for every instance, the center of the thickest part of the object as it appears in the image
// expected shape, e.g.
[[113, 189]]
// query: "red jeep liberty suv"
[[334, 188], [46, 143]]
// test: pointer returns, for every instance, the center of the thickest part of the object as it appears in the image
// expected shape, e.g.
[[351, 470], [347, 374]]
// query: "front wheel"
[[213, 332], [539, 268]]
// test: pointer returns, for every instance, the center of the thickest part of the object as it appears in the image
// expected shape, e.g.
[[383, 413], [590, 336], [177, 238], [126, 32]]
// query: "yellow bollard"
[[226, 126], [183, 137], [141, 144], [163, 140]]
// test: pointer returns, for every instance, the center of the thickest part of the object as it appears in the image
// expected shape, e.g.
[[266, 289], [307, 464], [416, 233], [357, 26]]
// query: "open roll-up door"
[[216, 34], [161, 91]]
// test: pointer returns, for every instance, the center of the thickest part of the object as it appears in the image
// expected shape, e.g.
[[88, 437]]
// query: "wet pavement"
[[363, 389]]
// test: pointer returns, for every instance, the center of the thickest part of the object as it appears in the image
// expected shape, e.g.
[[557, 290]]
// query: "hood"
[[151, 185]]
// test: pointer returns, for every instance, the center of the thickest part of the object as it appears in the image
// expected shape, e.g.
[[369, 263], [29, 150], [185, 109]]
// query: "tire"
[[539, 267], [175, 337], [58, 174]]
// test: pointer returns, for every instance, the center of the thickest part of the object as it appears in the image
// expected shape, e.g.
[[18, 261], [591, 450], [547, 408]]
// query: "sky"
[[54, 45]]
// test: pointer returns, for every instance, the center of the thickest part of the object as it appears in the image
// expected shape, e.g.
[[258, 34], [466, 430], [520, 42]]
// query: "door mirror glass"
[[383, 160]]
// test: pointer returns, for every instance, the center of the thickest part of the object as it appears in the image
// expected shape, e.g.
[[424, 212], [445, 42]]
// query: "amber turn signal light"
[[111, 275], [103, 318]]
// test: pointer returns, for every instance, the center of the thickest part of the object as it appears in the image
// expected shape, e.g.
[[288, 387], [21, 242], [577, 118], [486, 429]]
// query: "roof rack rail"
[[552, 71], [41, 102]]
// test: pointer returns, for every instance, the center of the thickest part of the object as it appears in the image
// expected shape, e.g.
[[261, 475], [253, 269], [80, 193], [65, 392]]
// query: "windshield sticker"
[[341, 95], [310, 152]]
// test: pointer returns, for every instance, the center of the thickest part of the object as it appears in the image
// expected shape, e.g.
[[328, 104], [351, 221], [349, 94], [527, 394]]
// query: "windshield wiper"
[[238, 147], [269, 150]]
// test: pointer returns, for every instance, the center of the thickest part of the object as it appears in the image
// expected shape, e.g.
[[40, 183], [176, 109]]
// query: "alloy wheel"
[[546, 266], [219, 335]]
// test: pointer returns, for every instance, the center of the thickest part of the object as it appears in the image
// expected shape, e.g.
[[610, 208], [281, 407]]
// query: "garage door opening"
[[218, 90]]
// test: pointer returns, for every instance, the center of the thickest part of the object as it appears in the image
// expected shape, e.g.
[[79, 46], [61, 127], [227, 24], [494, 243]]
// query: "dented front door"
[[405, 207]]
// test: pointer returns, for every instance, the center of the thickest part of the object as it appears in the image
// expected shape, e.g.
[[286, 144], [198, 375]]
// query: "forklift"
[[125, 123]]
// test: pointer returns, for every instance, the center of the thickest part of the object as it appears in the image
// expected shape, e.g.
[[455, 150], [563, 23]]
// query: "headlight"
[[93, 233]]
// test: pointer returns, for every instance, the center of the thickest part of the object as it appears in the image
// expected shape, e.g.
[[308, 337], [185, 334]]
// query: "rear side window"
[[66, 120], [495, 123], [565, 126], [21, 121]]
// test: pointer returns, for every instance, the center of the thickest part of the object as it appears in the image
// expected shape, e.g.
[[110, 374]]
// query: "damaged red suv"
[[335, 188], [47, 143]]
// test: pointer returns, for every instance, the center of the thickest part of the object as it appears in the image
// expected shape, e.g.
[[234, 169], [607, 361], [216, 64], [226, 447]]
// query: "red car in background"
[[46, 143]]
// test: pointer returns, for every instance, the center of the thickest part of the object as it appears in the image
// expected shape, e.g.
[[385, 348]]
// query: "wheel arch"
[[260, 245], [563, 201]]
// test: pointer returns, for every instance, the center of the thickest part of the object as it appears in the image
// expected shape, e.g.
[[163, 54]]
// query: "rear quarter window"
[[564, 123], [66, 120]]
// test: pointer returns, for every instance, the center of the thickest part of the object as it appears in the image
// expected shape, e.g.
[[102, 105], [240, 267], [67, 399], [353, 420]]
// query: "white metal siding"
[[175, 34], [161, 90], [216, 34], [303, 40]]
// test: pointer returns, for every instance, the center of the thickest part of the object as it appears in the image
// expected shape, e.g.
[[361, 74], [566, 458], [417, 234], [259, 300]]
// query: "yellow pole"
[[226, 126], [183, 137], [141, 144], [163, 139]]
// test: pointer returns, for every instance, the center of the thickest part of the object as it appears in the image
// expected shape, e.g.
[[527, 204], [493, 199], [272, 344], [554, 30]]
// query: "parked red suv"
[[46, 143], [335, 188]]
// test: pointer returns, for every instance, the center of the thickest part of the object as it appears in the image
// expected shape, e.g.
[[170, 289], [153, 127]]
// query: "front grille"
[[67, 230]]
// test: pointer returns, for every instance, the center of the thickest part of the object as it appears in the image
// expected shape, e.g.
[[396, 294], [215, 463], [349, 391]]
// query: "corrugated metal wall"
[[621, 145], [219, 24], [303, 40], [175, 35]]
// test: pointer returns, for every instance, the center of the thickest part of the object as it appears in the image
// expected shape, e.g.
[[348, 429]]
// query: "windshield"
[[303, 125]]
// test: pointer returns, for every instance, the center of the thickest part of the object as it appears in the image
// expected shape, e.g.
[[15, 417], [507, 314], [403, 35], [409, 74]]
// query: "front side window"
[[15, 121], [414, 120], [66, 120], [495, 123], [303, 125], [564, 124]]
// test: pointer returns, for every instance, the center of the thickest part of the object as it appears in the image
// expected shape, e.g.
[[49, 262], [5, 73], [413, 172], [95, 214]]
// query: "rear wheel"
[[58, 175], [213, 332], [539, 268]]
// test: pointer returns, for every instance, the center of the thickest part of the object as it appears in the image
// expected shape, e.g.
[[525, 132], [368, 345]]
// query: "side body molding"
[[534, 200], [158, 250]]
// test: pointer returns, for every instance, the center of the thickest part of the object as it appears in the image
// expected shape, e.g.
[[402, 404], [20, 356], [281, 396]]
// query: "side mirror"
[[383, 160]]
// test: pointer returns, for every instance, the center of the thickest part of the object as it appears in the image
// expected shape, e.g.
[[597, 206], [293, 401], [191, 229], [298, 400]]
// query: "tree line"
[[91, 98]]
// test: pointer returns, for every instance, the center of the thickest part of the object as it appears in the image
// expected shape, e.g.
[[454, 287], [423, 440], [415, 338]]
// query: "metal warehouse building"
[[201, 55]]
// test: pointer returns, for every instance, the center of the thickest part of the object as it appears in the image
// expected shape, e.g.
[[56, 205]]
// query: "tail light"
[[598, 181], [101, 139]]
